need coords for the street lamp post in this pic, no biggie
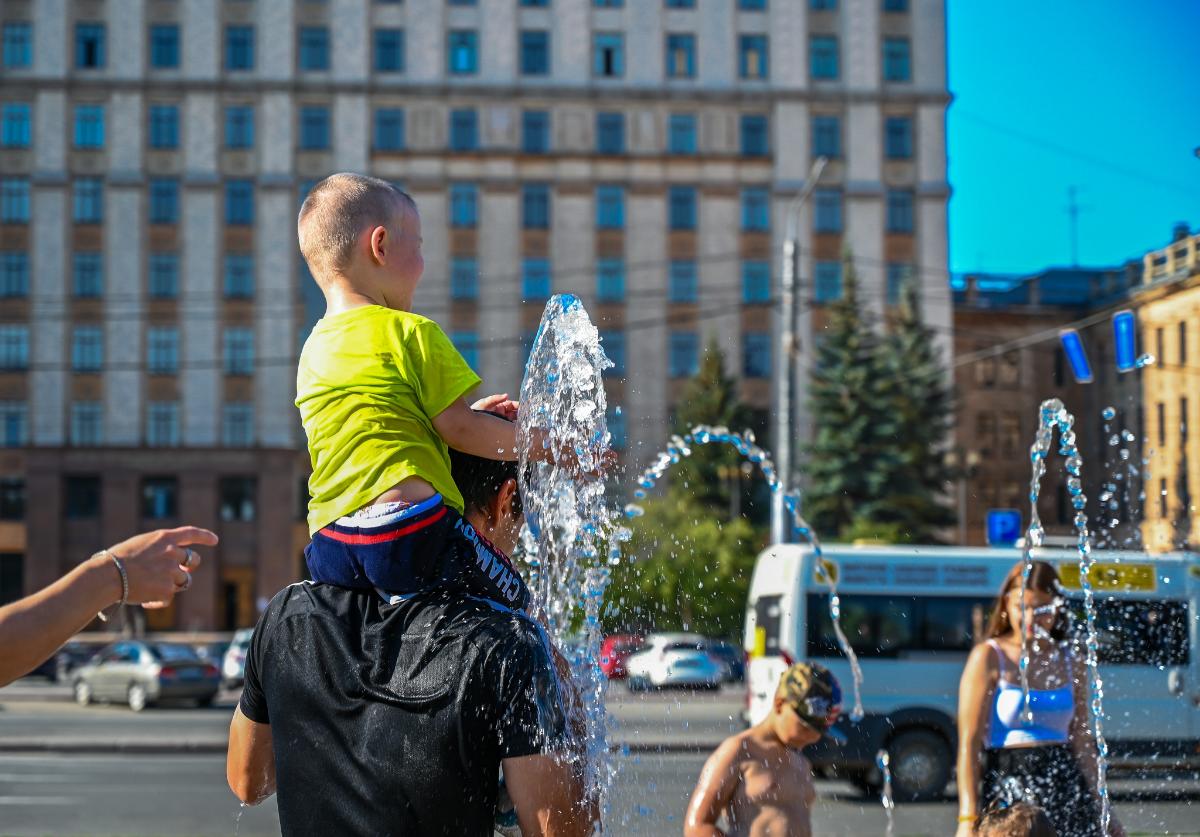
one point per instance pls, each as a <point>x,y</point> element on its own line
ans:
<point>783,369</point>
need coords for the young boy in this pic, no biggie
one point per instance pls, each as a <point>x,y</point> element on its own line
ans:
<point>758,778</point>
<point>380,392</point>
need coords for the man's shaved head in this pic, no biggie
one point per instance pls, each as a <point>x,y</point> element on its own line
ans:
<point>336,212</point>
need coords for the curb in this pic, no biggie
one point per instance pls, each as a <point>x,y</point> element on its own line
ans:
<point>13,746</point>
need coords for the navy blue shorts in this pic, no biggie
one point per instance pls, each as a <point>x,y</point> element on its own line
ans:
<point>414,548</point>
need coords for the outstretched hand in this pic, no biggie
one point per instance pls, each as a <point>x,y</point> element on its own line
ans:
<point>159,565</point>
<point>500,404</point>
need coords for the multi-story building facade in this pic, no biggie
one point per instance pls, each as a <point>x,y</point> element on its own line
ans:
<point>640,153</point>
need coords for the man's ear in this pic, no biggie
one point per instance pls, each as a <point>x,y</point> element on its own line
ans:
<point>378,242</point>
<point>507,499</point>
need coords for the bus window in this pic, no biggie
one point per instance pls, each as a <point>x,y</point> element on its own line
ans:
<point>886,626</point>
<point>767,615</point>
<point>1133,632</point>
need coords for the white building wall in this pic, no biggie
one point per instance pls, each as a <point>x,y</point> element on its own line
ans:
<point>127,39</point>
<point>500,352</point>
<point>351,132</point>
<point>202,124</point>
<point>351,45</point>
<point>52,53</point>
<point>275,37</point>
<point>202,54</point>
<point>275,341</point>
<point>200,383</point>
<point>49,134</point>
<point>48,287</point>
<point>124,316</point>
<point>125,133</point>
<point>646,348</point>
<point>860,45</point>
<point>719,277</point>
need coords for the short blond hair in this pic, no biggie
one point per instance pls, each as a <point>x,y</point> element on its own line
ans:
<point>336,212</point>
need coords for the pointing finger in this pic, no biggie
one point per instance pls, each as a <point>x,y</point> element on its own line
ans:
<point>186,535</point>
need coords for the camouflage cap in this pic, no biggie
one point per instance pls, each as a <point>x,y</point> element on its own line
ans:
<point>814,693</point>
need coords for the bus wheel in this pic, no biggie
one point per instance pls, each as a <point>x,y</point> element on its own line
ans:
<point>920,762</point>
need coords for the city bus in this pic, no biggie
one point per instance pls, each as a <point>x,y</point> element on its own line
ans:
<point>912,614</point>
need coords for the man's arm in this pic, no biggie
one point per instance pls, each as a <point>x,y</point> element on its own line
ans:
<point>548,796</point>
<point>714,791</point>
<point>250,764</point>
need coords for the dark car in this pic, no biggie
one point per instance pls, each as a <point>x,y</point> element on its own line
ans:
<point>64,661</point>
<point>732,657</point>
<point>143,673</point>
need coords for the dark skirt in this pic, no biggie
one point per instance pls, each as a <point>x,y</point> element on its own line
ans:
<point>1048,776</point>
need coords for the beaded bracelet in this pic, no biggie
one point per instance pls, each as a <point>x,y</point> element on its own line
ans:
<point>124,585</point>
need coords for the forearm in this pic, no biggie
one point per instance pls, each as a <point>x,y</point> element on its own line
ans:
<point>479,434</point>
<point>250,763</point>
<point>35,627</point>
<point>968,778</point>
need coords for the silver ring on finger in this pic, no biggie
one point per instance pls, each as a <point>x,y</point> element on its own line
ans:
<point>189,559</point>
<point>187,582</point>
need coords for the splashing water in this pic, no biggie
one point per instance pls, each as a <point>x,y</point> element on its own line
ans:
<point>745,444</point>
<point>562,414</point>
<point>883,761</point>
<point>1054,416</point>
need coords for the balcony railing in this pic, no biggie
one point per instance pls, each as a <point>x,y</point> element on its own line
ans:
<point>1177,260</point>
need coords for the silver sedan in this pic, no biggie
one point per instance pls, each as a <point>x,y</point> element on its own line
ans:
<point>143,673</point>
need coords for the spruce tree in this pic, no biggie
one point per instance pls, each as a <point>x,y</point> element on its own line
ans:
<point>852,456</point>
<point>922,404</point>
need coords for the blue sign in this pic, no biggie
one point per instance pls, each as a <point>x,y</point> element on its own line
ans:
<point>1076,355</point>
<point>1003,527</point>
<point>1125,340</point>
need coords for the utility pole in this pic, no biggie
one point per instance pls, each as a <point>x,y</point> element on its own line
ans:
<point>780,530</point>
<point>1073,210</point>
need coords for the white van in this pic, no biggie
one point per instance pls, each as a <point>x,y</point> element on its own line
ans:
<point>913,613</point>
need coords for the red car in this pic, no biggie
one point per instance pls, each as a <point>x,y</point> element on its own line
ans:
<point>613,652</point>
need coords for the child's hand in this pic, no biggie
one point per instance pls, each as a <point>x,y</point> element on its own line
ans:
<point>500,404</point>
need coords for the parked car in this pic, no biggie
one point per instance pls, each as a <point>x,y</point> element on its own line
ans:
<point>58,668</point>
<point>614,651</point>
<point>674,660</point>
<point>233,667</point>
<point>213,652</point>
<point>732,657</point>
<point>143,673</point>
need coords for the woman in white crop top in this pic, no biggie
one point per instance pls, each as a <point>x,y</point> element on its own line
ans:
<point>1050,758</point>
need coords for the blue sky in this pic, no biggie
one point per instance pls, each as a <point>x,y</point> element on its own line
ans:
<point>1097,94</point>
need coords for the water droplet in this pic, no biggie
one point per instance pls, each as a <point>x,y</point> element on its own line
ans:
<point>1109,413</point>
<point>1145,360</point>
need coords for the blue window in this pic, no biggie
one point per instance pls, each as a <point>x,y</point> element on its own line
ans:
<point>389,50</point>
<point>756,209</point>
<point>164,46</point>
<point>681,133</point>
<point>682,285</point>
<point>464,130</point>
<point>535,132</point>
<point>239,275</point>
<point>756,354</point>
<point>463,54</point>
<point>683,358</point>
<point>239,47</point>
<point>822,5</point>
<point>535,206</point>
<point>608,55</point>
<point>897,274</point>
<point>612,342</point>
<point>610,133</point>
<point>87,423</point>
<point>541,3</point>
<point>162,424</point>
<point>610,280</point>
<point>535,279</point>
<point>467,343</point>
<point>464,278</point>
<point>87,275</point>
<point>681,56</point>
<point>617,430</point>
<point>752,56</point>
<point>89,46</point>
<point>752,5</point>
<point>89,126</point>
<point>87,348</point>
<point>895,5</point>
<point>237,350</point>
<point>897,59</point>
<point>823,57</point>
<point>163,276</point>
<point>239,126</point>
<point>464,201</point>
<point>535,53</point>
<point>239,202</point>
<point>14,423</point>
<point>682,207</point>
<point>313,50</point>
<point>681,4</point>
<point>314,128</point>
<point>14,200</point>
<point>14,347</point>
<point>17,122</point>
<point>237,424</point>
<point>164,200</point>
<point>899,211</point>
<point>898,138</point>
<point>828,205</point>
<point>756,140</point>
<point>18,45</point>
<point>164,126</point>
<point>608,4</point>
<point>14,274</point>
<point>463,2</point>
<point>827,282</point>
<point>87,200</point>
<point>389,129</point>
<point>756,281</point>
<point>610,207</point>
<point>827,136</point>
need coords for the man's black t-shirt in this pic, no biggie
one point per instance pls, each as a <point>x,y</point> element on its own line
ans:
<point>393,719</point>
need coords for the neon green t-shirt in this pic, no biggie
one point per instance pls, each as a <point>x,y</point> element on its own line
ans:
<point>369,383</point>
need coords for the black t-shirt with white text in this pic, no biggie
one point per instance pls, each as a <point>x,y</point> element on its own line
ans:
<point>393,718</point>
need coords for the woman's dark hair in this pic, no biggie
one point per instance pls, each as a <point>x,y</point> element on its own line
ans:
<point>1021,819</point>
<point>1044,579</point>
<point>479,480</point>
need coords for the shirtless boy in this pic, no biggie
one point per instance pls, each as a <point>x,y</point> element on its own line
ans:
<point>758,779</point>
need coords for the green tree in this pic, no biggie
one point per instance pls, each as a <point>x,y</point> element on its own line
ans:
<point>853,454</point>
<point>922,404</point>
